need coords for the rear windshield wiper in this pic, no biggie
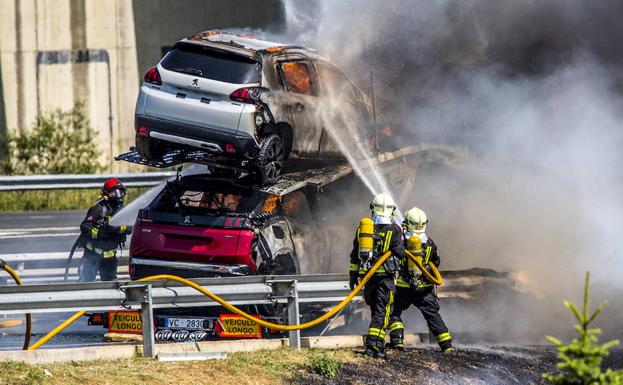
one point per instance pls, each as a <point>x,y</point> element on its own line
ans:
<point>190,71</point>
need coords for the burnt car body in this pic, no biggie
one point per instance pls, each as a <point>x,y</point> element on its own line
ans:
<point>206,226</point>
<point>248,103</point>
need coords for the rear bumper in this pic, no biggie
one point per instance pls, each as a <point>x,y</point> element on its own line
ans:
<point>144,267</point>
<point>188,135</point>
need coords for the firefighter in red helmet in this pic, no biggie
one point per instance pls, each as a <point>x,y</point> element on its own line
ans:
<point>100,239</point>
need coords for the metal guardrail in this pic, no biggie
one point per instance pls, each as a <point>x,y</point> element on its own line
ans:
<point>47,268</point>
<point>79,181</point>
<point>291,290</point>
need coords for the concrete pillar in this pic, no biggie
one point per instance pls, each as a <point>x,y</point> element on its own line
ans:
<point>113,87</point>
<point>46,62</point>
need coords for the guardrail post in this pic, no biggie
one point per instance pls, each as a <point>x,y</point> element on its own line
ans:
<point>293,316</point>
<point>149,343</point>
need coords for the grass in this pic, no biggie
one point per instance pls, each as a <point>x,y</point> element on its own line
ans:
<point>49,200</point>
<point>266,367</point>
<point>326,365</point>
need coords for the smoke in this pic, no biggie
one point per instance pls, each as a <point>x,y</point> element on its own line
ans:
<point>533,89</point>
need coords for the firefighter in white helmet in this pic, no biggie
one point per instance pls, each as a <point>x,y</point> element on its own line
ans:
<point>376,236</point>
<point>413,289</point>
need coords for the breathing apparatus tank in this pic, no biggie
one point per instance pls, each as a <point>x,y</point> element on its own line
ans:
<point>366,241</point>
<point>414,246</point>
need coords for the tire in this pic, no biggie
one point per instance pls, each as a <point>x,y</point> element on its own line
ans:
<point>284,263</point>
<point>270,158</point>
<point>148,149</point>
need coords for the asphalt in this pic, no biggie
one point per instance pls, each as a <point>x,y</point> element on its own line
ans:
<point>39,232</point>
<point>44,232</point>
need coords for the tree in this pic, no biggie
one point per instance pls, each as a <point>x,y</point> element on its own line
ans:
<point>580,360</point>
<point>60,142</point>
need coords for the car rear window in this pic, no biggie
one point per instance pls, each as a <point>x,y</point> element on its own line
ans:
<point>193,199</point>
<point>211,64</point>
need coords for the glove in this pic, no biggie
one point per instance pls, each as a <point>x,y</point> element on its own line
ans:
<point>125,229</point>
<point>354,281</point>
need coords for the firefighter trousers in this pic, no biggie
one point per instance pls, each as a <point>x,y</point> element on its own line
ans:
<point>427,302</point>
<point>379,295</point>
<point>92,263</point>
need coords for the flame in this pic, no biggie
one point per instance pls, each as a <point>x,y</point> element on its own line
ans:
<point>271,204</point>
<point>274,49</point>
<point>297,78</point>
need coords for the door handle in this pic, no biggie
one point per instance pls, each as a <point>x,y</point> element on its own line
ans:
<point>299,107</point>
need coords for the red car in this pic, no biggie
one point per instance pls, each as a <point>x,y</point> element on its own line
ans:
<point>204,226</point>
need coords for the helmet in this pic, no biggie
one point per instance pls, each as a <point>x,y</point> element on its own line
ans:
<point>416,220</point>
<point>114,189</point>
<point>383,205</point>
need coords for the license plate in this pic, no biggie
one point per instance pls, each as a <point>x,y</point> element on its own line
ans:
<point>186,323</point>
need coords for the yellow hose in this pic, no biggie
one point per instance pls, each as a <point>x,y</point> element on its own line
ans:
<point>18,281</point>
<point>234,309</point>
<point>437,280</point>
<point>57,330</point>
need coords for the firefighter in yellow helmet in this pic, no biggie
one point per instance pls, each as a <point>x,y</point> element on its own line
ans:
<point>375,236</point>
<point>413,289</point>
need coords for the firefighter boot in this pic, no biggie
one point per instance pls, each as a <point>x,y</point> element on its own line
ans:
<point>375,347</point>
<point>445,342</point>
<point>396,336</point>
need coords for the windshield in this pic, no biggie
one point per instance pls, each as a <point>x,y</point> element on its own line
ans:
<point>201,61</point>
<point>212,200</point>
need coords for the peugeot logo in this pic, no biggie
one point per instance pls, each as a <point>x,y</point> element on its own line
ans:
<point>196,82</point>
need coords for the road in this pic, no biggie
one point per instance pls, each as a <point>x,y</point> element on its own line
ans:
<point>39,232</point>
<point>44,233</point>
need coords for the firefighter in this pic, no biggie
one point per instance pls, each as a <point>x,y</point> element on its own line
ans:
<point>100,240</point>
<point>413,289</point>
<point>375,236</point>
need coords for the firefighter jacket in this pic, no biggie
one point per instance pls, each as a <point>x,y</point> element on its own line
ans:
<point>417,281</point>
<point>388,237</point>
<point>98,236</point>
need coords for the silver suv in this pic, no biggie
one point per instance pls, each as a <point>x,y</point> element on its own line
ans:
<point>247,103</point>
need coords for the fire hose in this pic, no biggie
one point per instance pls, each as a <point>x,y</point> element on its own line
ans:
<point>436,279</point>
<point>18,281</point>
<point>232,308</point>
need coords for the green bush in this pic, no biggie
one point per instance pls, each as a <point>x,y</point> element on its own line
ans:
<point>51,200</point>
<point>580,360</point>
<point>60,142</point>
<point>326,365</point>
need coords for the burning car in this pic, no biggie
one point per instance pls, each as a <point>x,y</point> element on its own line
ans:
<point>206,226</point>
<point>249,104</point>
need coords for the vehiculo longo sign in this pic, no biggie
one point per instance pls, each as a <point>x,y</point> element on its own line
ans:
<point>233,325</point>
<point>125,321</point>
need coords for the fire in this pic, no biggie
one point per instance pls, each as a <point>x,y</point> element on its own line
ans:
<point>297,78</point>
<point>274,49</point>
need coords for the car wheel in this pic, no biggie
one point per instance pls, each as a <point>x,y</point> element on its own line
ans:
<point>149,149</point>
<point>270,159</point>
<point>285,263</point>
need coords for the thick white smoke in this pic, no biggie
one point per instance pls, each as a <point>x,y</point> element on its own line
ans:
<point>533,89</point>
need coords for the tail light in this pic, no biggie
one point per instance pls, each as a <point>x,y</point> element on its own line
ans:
<point>142,131</point>
<point>145,215</point>
<point>230,148</point>
<point>247,94</point>
<point>153,76</point>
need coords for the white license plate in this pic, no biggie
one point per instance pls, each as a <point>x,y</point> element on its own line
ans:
<point>186,323</point>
